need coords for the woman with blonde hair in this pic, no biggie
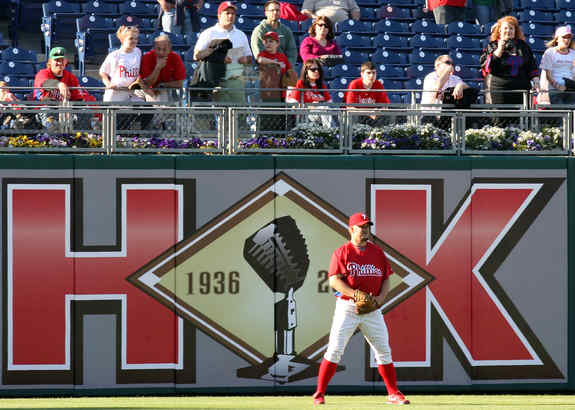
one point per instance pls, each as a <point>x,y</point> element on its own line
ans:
<point>121,67</point>
<point>557,66</point>
<point>507,63</point>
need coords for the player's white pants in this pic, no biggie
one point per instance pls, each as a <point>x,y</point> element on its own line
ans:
<point>346,321</point>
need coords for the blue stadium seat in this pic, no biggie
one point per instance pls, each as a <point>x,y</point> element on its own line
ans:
<point>19,54</point>
<point>355,57</point>
<point>91,33</point>
<point>369,14</point>
<point>537,4</point>
<point>247,23</point>
<point>427,42</point>
<point>387,71</point>
<point>208,21</point>
<point>337,96</point>
<point>428,27</point>
<point>419,70</point>
<point>353,26</point>
<point>13,81</point>
<point>89,82</point>
<point>339,83</point>
<point>391,42</point>
<point>458,42</point>
<point>364,4</point>
<point>467,59</point>
<point>414,83</point>
<point>396,98</point>
<point>466,72</point>
<point>99,8</point>
<point>566,5</point>
<point>538,30</point>
<point>391,84</point>
<point>58,21</point>
<point>251,10</point>
<point>402,3</point>
<point>17,69</point>
<point>345,70</point>
<point>567,16</point>
<point>536,16</point>
<point>537,44</point>
<point>391,27</point>
<point>465,29</point>
<point>356,41</point>
<point>209,9</point>
<point>423,57</point>
<point>395,13</point>
<point>140,9</point>
<point>384,56</point>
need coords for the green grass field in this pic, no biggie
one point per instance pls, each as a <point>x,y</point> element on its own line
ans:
<point>296,402</point>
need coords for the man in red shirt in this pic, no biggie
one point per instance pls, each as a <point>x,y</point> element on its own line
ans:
<point>367,90</point>
<point>162,70</point>
<point>359,264</point>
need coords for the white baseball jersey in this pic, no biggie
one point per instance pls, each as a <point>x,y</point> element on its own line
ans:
<point>122,68</point>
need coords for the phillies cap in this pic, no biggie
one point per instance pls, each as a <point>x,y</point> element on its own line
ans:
<point>359,219</point>
<point>226,5</point>
<point>56,53</point>
<point>273,35</point>
<point>563,31</point>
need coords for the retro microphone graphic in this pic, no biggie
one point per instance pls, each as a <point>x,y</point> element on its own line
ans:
<point>277,252</point>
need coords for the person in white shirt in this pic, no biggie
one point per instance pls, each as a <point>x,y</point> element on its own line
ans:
<point>122,67</point>
<point>442,78</point>
<point>233,85</point>
<point>558,64</point>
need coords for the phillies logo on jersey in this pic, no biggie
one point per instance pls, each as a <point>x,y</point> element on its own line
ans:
<point>355,269</point>
<point>464,304</point>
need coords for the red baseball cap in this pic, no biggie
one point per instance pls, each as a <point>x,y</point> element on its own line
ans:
<point>226,5</point>
<point>273,35</point>
<point>359,219</point>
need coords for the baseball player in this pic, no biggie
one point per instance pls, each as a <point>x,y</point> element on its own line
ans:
<point>359,272</point>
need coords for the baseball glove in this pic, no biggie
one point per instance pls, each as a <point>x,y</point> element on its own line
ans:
<point>364,302</point>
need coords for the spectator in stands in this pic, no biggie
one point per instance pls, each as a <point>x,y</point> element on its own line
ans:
<point>366,91</point>
<point>484,10</point>
<point>162,70</point>
<point>179,16</point>
<point>336,10</point>
<point>233,85</point>
<point>446,11</point>
<point>507,63</point>
<point>436,82</point>
<point>272,66</point>
<point>55,83</point>
<point>320,43</point>
<point>272,23</point>
<point>557,65</point>
<point>121,68</point>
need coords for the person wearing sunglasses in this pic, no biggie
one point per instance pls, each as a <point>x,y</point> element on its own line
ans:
<point>336,10</point>
<point>320,43</point>
<point>436,82</point>
<point>557,67</point>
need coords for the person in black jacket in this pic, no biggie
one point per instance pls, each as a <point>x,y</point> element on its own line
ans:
<point>507,63</point>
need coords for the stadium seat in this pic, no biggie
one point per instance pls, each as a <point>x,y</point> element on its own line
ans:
<point>17,69</point>
<point>427,42</point>
<point>384,56</point>
<point>247,23</point>
<point>423,57</point>
<point>396,98</point>
<point>102,9</point>
<point>536,4</point>
<point>19,54</point>
<point>537,44</point>
<point>391,42</point>
<point>209,9</point>
<point>395,13</point>
<point>538,30</point>
<point>414,84</point>
<point>419,70</point>
<point>58,21</point>
<point>356,41</point>
<point>354,57</point>
<point>427,27</point>
<point>208,21</point>
<point>140,9</point>
<point>90,82</point>
<point>466,72</point>
<point>401,3</point>
<point>364,4</point>
<point>345,70</point>
<point>466,59</point>
<point>567,16</point>
<point>368,14</point>
<point>391,27</point>
<point>353,26</point>
<point>457,42</point>
<point>24,17</point>
<point>251,10</point>
<point>91,33</point>
<point>391,84</point>
<point>536,16</point>
<point>387,71</point>
<point>566,5</point>
<point>465,29</point>
<point>339,84</point>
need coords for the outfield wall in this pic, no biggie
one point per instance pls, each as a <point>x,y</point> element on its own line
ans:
<point>153,274</point>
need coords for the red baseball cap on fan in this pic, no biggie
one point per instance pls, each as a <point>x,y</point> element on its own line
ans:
<point>273,35</point>
<point>226,5</point>
<point>359,219</point>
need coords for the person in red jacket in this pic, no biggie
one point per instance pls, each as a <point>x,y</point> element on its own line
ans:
<point>446,11</point>
<point>367,92</point>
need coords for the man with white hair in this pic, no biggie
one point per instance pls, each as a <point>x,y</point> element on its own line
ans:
<point>162,70</point>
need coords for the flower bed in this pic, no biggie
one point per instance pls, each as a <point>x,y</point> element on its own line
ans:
<point>164,143</point>
<point>400,137</point>
<point>305,135</point>
<point>45,140</point>
<point>491,138</point>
